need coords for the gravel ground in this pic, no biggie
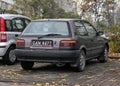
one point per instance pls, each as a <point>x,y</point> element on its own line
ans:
<point>95,74</point>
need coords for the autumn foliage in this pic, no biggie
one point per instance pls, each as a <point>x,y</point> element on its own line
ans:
<point>115,39</point>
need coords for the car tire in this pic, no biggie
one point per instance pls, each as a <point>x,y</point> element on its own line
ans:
<point>27,65</point>
<point>10,58</point>
<point>104,56</point>
<point>81,62</point>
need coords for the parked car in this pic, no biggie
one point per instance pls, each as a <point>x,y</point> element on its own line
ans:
<point>11,26</point>
<point>61,41</point>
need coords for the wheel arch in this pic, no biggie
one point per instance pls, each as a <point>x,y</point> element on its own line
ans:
<point>8,46</point>
<point>13,45</point>
<point>107,45</point>
<point>84,49</point>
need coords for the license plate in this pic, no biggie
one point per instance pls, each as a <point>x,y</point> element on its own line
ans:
<point>42,43</point>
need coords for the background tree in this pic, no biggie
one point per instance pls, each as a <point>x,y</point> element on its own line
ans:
<point>109,11</point>
<point>41,9</point>
<point>24,7</point>
<point>12,11</point>
<point>98,11</point>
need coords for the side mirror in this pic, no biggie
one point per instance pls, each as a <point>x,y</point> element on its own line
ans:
<point>101,34</point>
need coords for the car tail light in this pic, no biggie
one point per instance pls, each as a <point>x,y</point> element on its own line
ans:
<point>68,43</point>
<point>3,36</point>
<point>20,43</point>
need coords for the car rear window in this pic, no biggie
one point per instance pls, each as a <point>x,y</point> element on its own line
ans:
<point>47,27</point>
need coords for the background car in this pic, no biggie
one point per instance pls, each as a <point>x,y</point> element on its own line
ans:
<point>61,41</point>
<point>11,26</point>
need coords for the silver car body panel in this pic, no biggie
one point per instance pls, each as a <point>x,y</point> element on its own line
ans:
<point>11,36</point>
<point>11,39</point>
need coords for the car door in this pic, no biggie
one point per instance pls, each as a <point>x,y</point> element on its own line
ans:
<point>82,36</point>
<point>96,41</point>
<point>17,25</point>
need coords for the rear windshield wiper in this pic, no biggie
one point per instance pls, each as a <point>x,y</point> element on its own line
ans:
<point>51,34</point>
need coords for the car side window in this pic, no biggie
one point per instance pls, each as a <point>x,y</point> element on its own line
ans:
<point>8,25</point>
<point>18,25</point>
<point>90,29</point>
<point>80,29</point>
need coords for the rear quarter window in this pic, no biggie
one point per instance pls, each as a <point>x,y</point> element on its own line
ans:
<point>8,25</point>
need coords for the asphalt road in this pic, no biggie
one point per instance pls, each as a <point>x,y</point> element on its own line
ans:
<point>95,74</point>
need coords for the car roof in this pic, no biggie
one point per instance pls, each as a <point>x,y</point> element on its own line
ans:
<point>61,19</point>
<point>11,16</point>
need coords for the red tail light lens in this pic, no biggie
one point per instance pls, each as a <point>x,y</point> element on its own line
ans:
<point>20,43</point>
<point>68,43</point>
<point>3,35</point>
<point>2,25</point>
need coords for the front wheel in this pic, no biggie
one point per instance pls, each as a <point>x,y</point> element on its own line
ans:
<point>104,57</point>
<point>81,62</point>
<point>27,65</point>
<point>10,57</point>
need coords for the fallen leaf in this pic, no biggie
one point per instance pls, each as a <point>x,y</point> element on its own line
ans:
<point>38,84</point>
<point>76,85</point>
<point>15,84</point>
<point>113,80</point>
<point>89,77</point>
<point>47,84</point>
<point>119,60</point>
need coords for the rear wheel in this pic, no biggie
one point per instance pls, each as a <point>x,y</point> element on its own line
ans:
<point>81,62</point>
<point>104,57</point>
<point>10,57</point>
<point>27,65</point>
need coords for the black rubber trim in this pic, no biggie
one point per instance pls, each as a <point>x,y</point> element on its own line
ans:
<point>2,46</point>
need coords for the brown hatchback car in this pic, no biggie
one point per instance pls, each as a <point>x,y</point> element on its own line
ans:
<point>61,41</point>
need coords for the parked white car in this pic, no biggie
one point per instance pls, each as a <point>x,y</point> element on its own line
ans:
<point>11,26</point>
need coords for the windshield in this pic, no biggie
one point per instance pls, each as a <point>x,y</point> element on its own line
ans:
<point>47,27</point>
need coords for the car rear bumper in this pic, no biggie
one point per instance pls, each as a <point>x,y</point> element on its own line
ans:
<point>47,55</point>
